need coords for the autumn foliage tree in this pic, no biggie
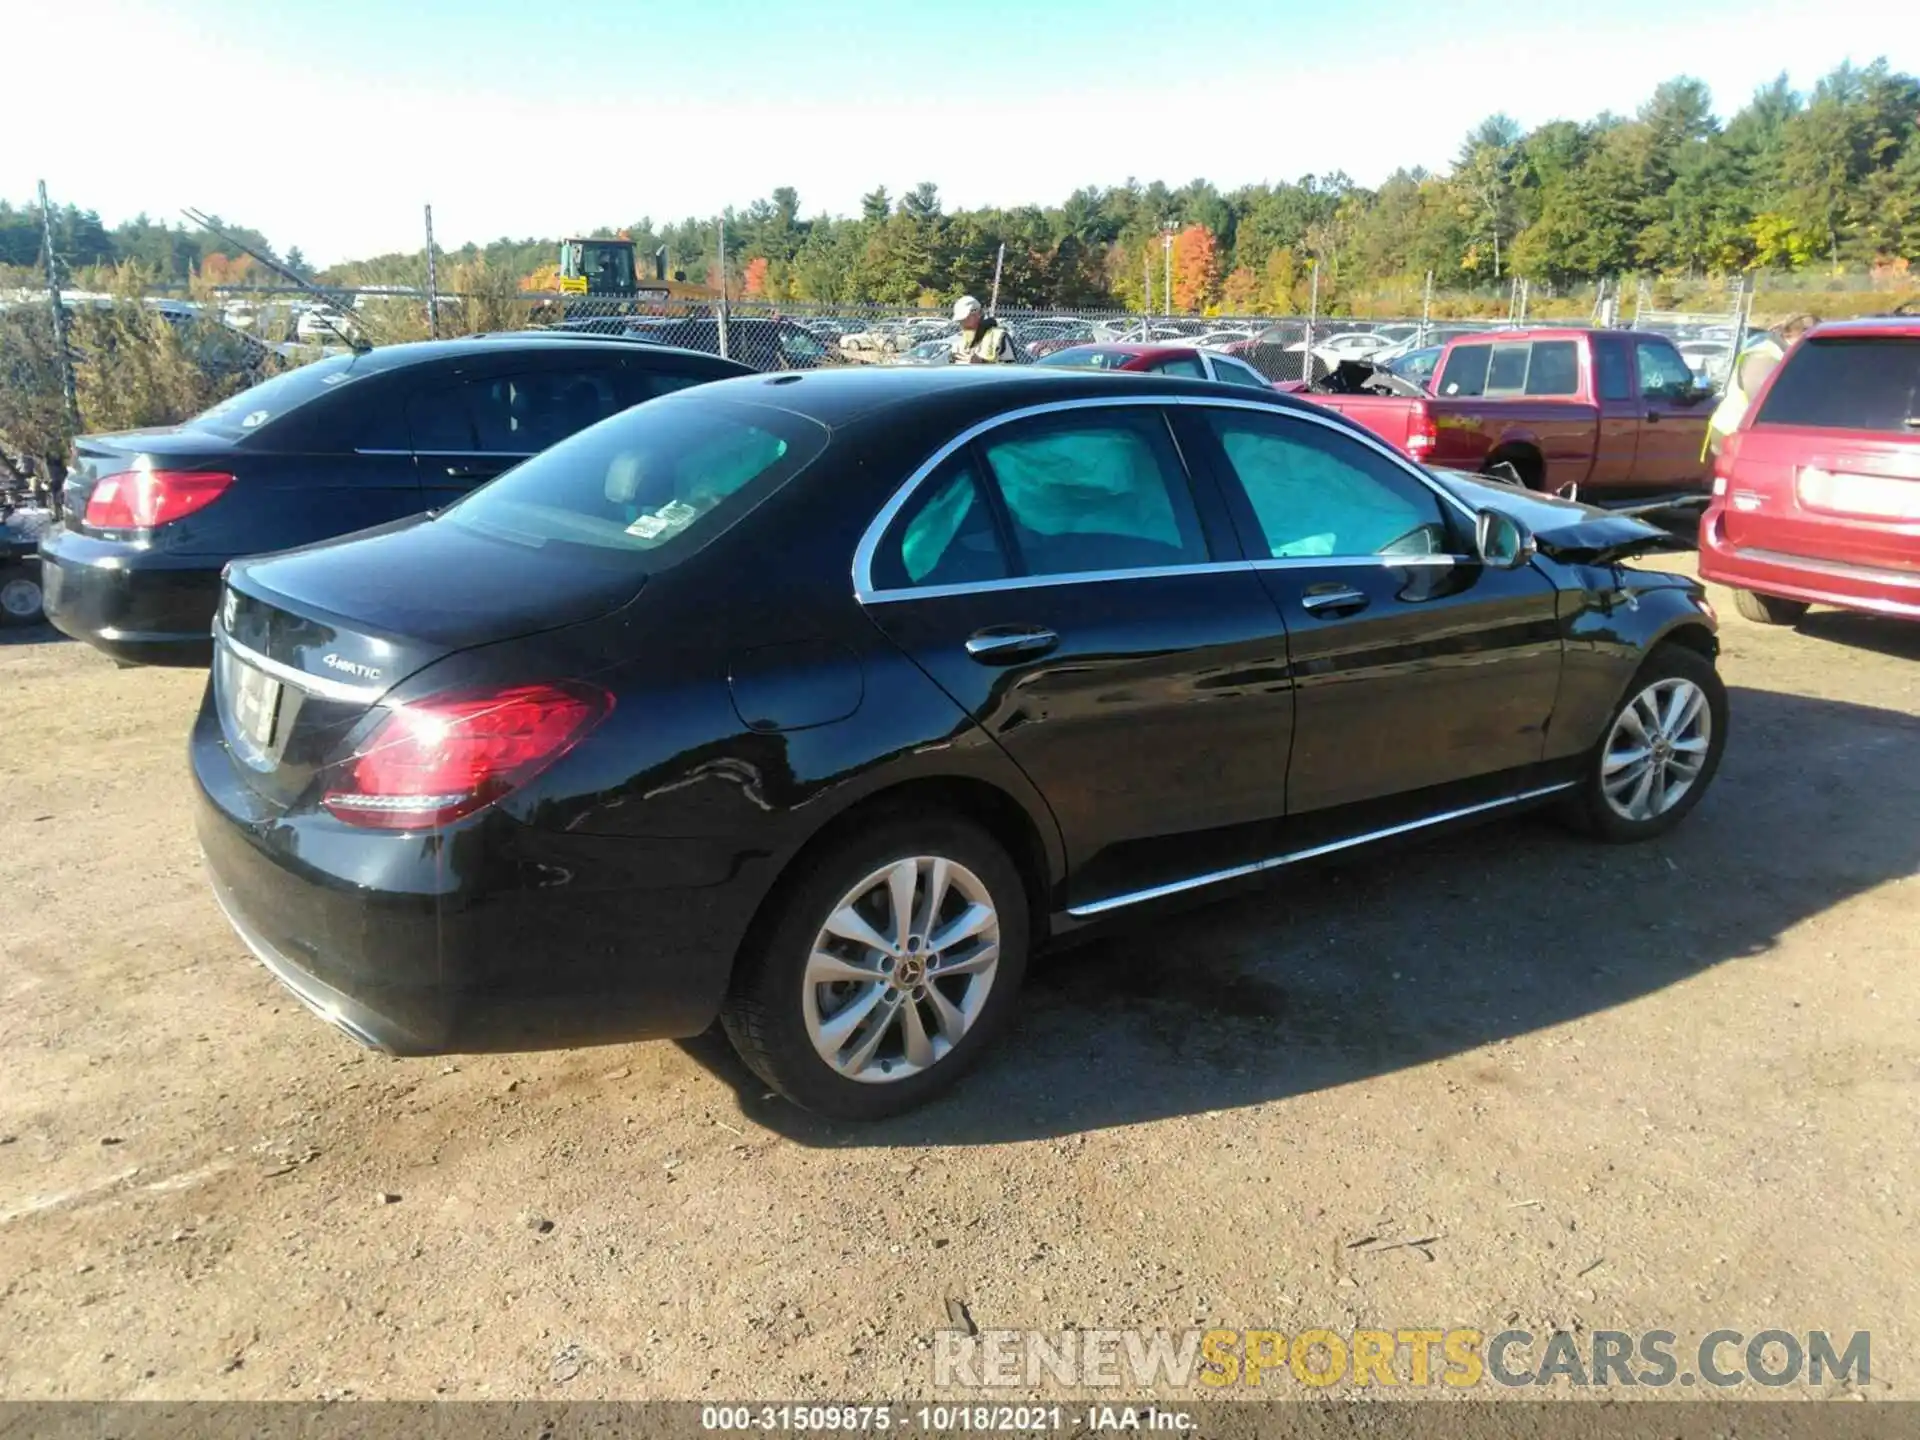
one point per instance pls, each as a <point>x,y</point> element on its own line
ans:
<point>754,280</point>
<point>1196,269</point>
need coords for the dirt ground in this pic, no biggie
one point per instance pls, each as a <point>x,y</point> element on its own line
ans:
<point>1662,1087</point>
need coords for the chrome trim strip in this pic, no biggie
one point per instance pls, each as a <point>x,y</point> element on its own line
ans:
<point>317,685</point>
<point>1318,562</point>
<point>1840,569</point>
<point>1175,887</point>
<point>864,592</point>
<point>1036,582</point>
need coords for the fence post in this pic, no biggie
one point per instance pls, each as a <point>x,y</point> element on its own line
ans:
<point>1313,314</point>
<point>722,227</point>
<point>433,291</point>
<point>1426,311</point>
<point>1000,259</point>
<point>1146,295</point>
<point>68,395</point>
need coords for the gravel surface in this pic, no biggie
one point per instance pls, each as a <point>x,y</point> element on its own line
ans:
<point>1671,1086</point>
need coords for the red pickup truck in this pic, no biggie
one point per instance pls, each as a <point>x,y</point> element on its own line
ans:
<point>1573,411</point>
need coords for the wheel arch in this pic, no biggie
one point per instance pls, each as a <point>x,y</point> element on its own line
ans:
<point>1031,842</point>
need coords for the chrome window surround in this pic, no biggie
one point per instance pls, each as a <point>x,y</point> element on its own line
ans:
<point>866,594</point>
<point>1294,857</point>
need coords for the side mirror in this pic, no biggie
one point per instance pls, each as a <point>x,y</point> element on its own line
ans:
<point>1502,542</point>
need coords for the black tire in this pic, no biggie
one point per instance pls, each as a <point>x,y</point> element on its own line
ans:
<point>21,588</point>
<point>764,1015</point>
<point>1588,809</point>
<point>1768,609</point>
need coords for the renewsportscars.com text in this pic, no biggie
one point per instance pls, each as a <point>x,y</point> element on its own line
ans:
<point>1414,1358</point>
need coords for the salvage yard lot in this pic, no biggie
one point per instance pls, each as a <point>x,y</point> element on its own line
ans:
<point>1674,1086</point>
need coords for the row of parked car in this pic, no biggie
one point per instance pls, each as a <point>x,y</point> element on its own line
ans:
<point>648,690</point>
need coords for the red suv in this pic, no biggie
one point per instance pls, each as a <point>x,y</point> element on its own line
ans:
<point>1816,497</point>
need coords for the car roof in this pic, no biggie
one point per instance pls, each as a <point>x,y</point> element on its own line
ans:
<point>1898,326</point>
<point>505,342</point>
<point>965,393</point>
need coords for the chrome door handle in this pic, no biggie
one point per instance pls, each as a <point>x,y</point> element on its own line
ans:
<point>1333,598</point>
<point>991,647</point>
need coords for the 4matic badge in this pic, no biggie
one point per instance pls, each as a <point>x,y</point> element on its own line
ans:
<point>350,667</point>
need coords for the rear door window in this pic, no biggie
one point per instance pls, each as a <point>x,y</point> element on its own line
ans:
<point>438,420</point>
<point>1554,368</point>
<point>1866,383</point>
<point>947,537</point>
<point>1186,367</point>
<point>524,414</point>
<point>1466,372</point>
<point>1099,491</point>
<point>1507,370</point>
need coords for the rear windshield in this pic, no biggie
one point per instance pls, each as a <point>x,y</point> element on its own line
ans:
<point>266,402</point>
<point>1080,357</point>
<point>1851,383</point>
<point>651,485</point>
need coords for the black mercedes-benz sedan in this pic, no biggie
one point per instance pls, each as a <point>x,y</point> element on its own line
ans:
<point>815,702</point>
<point>150,517</point>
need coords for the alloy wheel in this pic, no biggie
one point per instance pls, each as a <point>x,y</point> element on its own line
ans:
<point>1657,750</point>
<point>901,969</point>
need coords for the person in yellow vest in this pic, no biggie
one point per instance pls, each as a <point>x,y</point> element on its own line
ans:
<point>982,340</point>
<point>1751,366</point>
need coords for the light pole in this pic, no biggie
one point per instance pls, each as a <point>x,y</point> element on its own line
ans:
<point>1168,229</point>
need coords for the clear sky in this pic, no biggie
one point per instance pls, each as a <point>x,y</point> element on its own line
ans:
<point>327,126</point>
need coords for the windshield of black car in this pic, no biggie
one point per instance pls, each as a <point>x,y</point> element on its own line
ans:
<point>649,486</point>
<point>1849,383</point>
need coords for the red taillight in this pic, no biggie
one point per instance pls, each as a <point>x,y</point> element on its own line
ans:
<point>435,760</point>
<point>143,499</point>
<point>1423,436</point>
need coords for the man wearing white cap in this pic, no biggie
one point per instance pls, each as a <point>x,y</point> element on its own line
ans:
<point>981,341</point>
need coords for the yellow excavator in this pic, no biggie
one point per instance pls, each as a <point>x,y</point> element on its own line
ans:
<point>604,269</point>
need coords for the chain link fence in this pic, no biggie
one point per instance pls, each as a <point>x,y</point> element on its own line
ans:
<point>219,340</point>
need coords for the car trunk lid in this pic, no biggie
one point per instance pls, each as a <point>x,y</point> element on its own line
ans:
<point>172,447</point>
<point>310,642</point>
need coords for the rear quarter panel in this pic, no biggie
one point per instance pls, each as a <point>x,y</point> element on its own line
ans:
<point>1388,416</point>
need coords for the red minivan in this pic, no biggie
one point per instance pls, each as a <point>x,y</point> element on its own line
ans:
<point>1816,497</point>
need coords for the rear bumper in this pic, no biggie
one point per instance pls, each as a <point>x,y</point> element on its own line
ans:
<point>486,936</point>
<point>1876,589</point>
<point>141,606</point>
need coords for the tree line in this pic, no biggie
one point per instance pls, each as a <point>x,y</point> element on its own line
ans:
<point>1829,179</point>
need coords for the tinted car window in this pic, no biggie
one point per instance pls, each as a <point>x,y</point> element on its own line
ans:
<point>1098,359</point>
<point>947,537</point>
<point>650,487</point>
<point>437,419</point>
<point>1554,369</point>
<point>1314,492</point>
<point>1105,492</point>
<point>261,404</point>
<point>796,346</point>
<point>1849,384</point>
<point>1614,376</point>
<point>1663,374</point>
<point>1233,372</point>
<point>523,414</point>
<point>1507,369</point>
<point>1185,367</point>
<point>1466,372</point>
